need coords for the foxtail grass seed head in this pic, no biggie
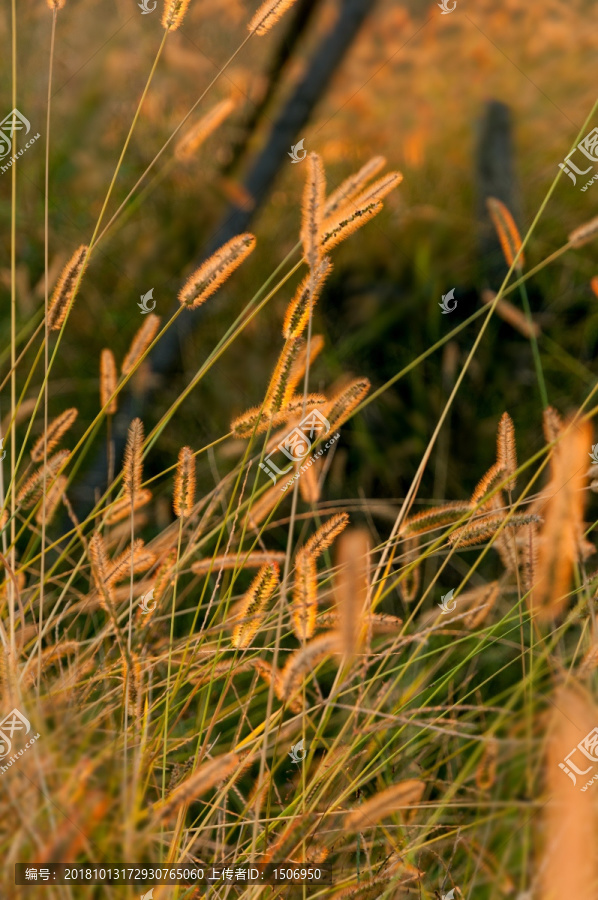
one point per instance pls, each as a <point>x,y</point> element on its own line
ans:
<point>316,345</point>
<point>302,304</point>
<point>56,4</point>
<point>99,569</point>
<point>64,292</point>
<point>346,221</point>
<point>184,483</point>
<point>252,605</point>
<point>508,234</point>
<point>437,517</point>
<point>484,528</point>
<point>326,534</point>
<point>584,234</point>
<point>256,418</point>
<point>133,463</point>
<point>206,280</point>
<point>354,185</point>
<point>209,774</point>
<point>304,605</point>
<point>120,509</point>
<point>351,587</point>
<point>383,804</point>
<point>302,661</point>
<point>338,410</point>
<point>108,381</point>
<point>32,490</point>
<point>485,773</point>
<point>379,189</point>
<point>552,424</point>
<point>268,15</point>
<point>234,561</point>
<point>52,437</point>
<point>280,389</point>
<point>506,449</point>
<point>200,132</point>
<point>174,11</point>
<point>488,482</point>
<point>140,559</point>
<point>53,498</point>
<point>140,343</point>
<point>312,209</point>
<point>509,313</point>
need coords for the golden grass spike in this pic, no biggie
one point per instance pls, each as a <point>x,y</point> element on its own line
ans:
<point>99,568</point>
<point>495,474</point>
<point>268,15</point>
<point>206,776</point>
<point>309,483</point>
<point>351,586</point>
<point>55,4</point>
<point>120,509</point>
<point>206,280</point>
<point>311,210</point>
<point>304,605</point>
<point>594,285</point>
<point>385,803</point>
<point>206,126</point>
<point>302,661</point>
<point>107,381</point>
<point>120,568</point>
<point>326,534</point>
<point>560,537</point>
<point>345,222</point>
<point>133,463</point>
<point>279,390</point>
<point>234,561</point>
<point>338,410</point>
<point>511,314</point>
<point>244,424</point>
<point>485,773</point>
<point>184,483</point>
<point>252,605</point>
<point>570,819</point>
<point>64,292</point>
<point>352,186</point>
<point>430,519</point>
<point>174,11</point>
<point>32,490</point>
<point>508,234</point>
<point>584,234</point>
<point>53,498</point>
<point>552,424</point>
<point>140,342</point>
<point>302,304</point>
<point>56,429</point>
<point>506,449</point>
<point>480,530</point>
<point>378,190</point>
<point>298,368</point>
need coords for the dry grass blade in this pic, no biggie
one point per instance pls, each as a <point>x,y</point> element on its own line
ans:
<point>506,452</point>
<point>351,187</point>
<point>312,210</point>
<point>208,775</point>
<point>338,410</point>
<point>133,464</point>
<point>385,803</point>
<point>569,868</point>
<point>174,11</point>
<point>52,437</point>
<point>351,587</point>
<point>140,343</point>
<point>485,596</point>
<point>252,606</point>
<point>508,235</point>
<point>206,280</point>
<point>302,304</point>
<point>108,381</point>
<point>268,15</point>
<point>560,537</point>
<point>206,126</point>
<point>511,314</point>
<point>584,234</point>
<point>304,605</point>
<point>184,483</point>
<point>485,773</point>
<point>64,292</point>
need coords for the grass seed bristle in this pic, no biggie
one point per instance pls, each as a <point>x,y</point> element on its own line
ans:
<point>304,605</point>
<point>64,292</point>
<point>352,186</point>
<point>108,381</point>
<point>140,343</point>
<point>508,234</point>
<point>268,15</point>
<point>338,410</point>
<point>133,463</point>
<point>584,234</point>
<point>184,483</point>
<point>302,304</point>
<point>326,534</point>
<point>174,11</point>
<point>506,449</point>
<point>252,605</point>
<point>384,803</point>
<point>206,126</point>
<point>206,280</point>
<point>54,433</point>
<point>311,211</point>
